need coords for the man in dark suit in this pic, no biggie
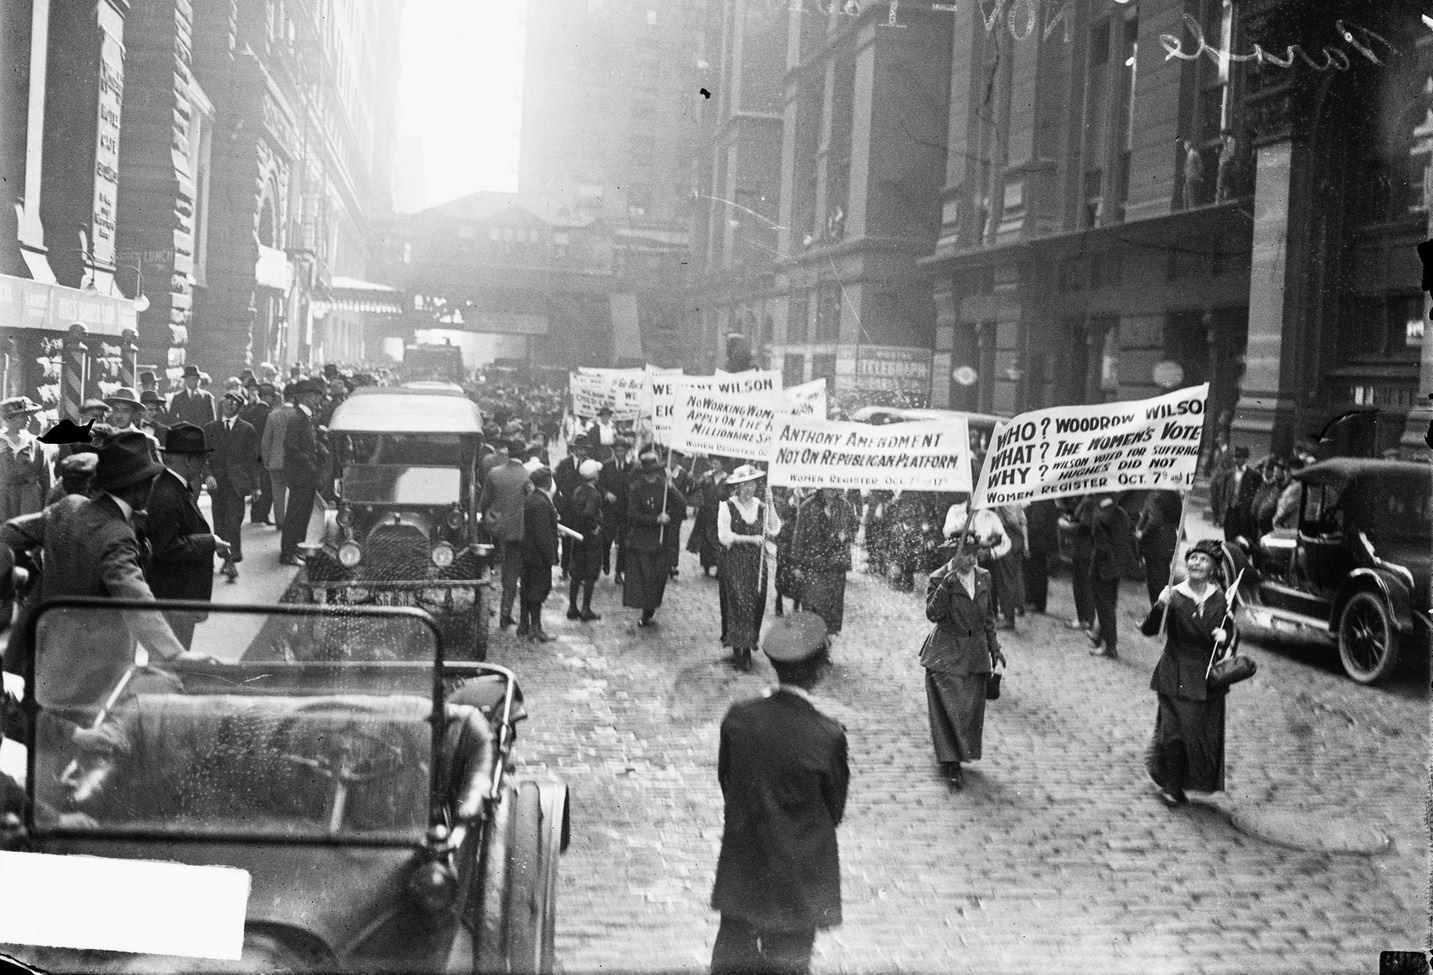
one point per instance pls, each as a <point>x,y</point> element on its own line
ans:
<point>192,404</point>
<point>614,482</point>
<point>181,562</point>
<point>783,773</point>
<point>256,413</point>
<point>539,554</point>
<point>1244,483</point>
<point>90,549</point>
<point>302,462</point>
<point>235,448</point>
<point>1112,556</point>
<point>567,479</point>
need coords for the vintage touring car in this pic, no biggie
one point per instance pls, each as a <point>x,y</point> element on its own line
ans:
<point>405,528</point>
<point>371,801</point>
<point>1355,567</point>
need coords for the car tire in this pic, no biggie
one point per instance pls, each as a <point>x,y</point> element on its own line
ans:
<point>478,623</point>
<point>517,930</point>
<point>1367,639</point>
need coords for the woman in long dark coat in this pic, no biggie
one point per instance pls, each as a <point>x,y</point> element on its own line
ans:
<point>24,468</point>
<point>958,656</point>
<point>741,525</point>
<point>1188,747</point>
<point>653,509</point>
<point>821,555</point>
<point>788,505</point>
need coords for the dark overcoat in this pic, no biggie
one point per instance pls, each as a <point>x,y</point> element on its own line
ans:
<point>181,561</point>
<point>1188,645</point>
<point>539,540</point>
<point>963,641</point>
<point>784,775</point>
<point>234,458</point>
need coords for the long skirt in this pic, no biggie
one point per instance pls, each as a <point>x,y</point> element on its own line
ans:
<point>824,593</point>
<point>743,582</point>
<point>956,704</point>
<point>644,579</point>
<point>1188,747</point>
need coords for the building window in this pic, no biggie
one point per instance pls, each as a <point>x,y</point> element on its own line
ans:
<point>651,18</point>
<point>792,369</point>
<point>823,367</point>
<point>796,318</point>
<point>828,314</point>
<point>201,140</point>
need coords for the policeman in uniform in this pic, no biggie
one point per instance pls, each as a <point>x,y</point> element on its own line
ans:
<point>784,776</point>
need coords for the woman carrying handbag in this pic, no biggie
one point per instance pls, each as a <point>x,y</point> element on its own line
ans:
<point>1187,752</point>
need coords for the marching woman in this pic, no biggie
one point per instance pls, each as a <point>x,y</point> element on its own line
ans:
<point>1188,747</point>
<point>742,528</point>
<point>821,553</point>
<point>959,654</point>
<point>709,494</point>
<point>654,508</point>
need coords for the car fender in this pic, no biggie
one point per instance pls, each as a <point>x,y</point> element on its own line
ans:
<point>1389,587</point>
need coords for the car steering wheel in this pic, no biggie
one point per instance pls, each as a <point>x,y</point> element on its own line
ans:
<point>342,753</point>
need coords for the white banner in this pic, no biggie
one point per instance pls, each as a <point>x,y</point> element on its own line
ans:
<point>931,455</point>
<point>726,415</point>
<point>659,401</point>
<point>619,389</point>
<point>808,399</point>
<point>1073,450</point>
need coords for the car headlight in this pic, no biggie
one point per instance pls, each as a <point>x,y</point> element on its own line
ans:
<point>442,555</point>
<point>349,554</point>
<point>455,518</point>
<point>344,516</point>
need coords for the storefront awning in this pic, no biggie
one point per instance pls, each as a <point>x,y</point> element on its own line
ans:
<point>359,296</point>
<point>54,308</point>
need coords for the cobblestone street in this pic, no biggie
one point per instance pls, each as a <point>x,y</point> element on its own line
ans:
<point>1056,857</point>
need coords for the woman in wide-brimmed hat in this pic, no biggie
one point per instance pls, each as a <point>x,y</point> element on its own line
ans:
<point>1188,747</point>
<point>742,529</point>
<point>24,468</point>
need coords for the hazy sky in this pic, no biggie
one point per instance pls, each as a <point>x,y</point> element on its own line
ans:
<point>459,99</point>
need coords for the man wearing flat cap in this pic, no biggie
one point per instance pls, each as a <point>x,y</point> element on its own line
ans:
<point>181,562</point>
<point>192,404</point>
<point>783,770</point>
<point>90,549</point>
<point>235,449</point>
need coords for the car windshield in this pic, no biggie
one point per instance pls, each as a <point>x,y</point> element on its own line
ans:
<point>280,738</point>
<point>1396,508</point>
<point>398,484</point>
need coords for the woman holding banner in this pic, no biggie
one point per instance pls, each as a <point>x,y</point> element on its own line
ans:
<point>742,529</point>
<point>1188,747</point>
<point>652,511</point>
<point>959,654</point>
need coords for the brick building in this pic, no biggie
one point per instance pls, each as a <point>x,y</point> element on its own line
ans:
<point>1024,205</point>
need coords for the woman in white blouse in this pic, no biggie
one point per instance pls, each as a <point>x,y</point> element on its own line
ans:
<point>743,524</point>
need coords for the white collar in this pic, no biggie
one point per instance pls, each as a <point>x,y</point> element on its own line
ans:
<point>305,409</point>
<point>182,479</point>
<point>1209,590</point>
<point>124,506</point>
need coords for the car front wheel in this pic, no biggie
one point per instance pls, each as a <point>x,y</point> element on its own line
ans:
<point>1367,638</point>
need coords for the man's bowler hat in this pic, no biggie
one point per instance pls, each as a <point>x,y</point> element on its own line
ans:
<point>795,637</point>
<point>125,461</point>
<point>192,370</point>
<point>186,438</point>
<point>151,398</point>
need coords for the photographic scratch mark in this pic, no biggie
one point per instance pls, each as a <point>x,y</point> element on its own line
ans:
<point>704,93</point>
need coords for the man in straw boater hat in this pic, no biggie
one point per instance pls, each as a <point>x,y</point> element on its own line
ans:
<point>181,565</point>
<point>784,775</point>
<point>651,512</point>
